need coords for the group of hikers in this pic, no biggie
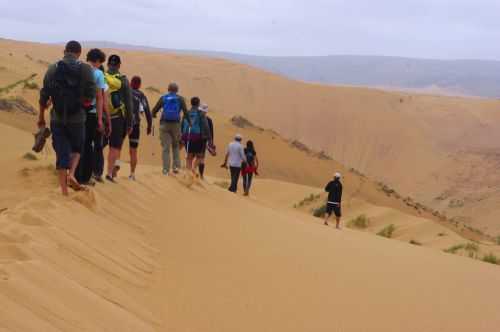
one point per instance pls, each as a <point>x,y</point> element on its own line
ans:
<point>93,107</point>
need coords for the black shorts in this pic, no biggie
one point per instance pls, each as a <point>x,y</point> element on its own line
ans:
<point>195,147</point>
<point>118,132</point>
<point>67,139</point>
<point>333,208</point>
<point>133,137</point>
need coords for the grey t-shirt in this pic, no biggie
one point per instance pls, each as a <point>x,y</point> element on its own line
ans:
<point>236,154</point>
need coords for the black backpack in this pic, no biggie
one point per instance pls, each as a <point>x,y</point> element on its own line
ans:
<point>66,89</point>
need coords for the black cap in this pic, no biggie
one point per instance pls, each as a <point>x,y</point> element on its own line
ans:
<point>73,47</point>
<point>114,60</point>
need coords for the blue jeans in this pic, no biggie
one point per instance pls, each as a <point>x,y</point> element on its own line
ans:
<point>66,140</point>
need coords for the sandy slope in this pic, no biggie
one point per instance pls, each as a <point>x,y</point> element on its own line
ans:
<point>425,146</point>
<point>156,255</point>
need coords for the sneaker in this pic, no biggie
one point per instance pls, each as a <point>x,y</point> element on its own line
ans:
<point>131,177</point>
<point>165,172</point>
<point>110,178</point>
<point>176,171</point>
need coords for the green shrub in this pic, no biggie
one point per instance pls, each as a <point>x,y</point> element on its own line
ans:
<point>416,243</point>
<point>31,85</point>
<point>387,231</point>
<point>320,212</point>
<point>30,156</point>
<point>360,222</point>
<point>455,248</point>
<point>490,258</point>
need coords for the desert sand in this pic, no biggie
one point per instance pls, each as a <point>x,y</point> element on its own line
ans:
<point>163,254</point>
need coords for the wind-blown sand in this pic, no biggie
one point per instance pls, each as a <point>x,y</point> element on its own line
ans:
<point>154,255</point>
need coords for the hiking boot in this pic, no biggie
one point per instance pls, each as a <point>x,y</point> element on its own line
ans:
<point>40,139</point>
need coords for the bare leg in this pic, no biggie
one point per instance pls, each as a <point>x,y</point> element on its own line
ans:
<point>338,222</point>
<point>113,156</point>
<point>63,181</point>
<point>75,159</point>
<point>133,160</point>
<point>189,161</point>
<point>326,219</point>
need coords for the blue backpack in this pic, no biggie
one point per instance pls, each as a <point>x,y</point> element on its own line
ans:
<point>195,118</point>
<point>171,107</point>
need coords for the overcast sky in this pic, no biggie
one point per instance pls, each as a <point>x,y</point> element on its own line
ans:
<point>415,28</point>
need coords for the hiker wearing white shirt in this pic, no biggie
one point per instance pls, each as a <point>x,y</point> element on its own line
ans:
<point>235,157</point>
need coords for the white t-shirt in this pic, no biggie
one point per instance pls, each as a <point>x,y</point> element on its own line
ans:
<point>236,154</point>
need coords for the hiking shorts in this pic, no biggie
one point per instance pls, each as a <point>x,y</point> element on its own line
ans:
<point>133,137</point>
<point>66,140</point>
<point>195,147</point>
<point>118,132</point>
<point>333,208</point>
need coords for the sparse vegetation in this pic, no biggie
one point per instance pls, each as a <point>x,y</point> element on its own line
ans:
<point>492,259</point>
<point>441,234</point>
<point>30,156</point>
<point>415,243</point>
<point>308,200</point>
<point>387,231</point>
<point>16,104</point>
<point>360,222</point>
<point>8,88</point>
<point>29,57</point>
<point>320,211</point>
<point>153,89</point>
<point>471,249</point>
<point>31,85</point>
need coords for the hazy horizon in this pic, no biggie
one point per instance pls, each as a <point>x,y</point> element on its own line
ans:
<point>442,29</point>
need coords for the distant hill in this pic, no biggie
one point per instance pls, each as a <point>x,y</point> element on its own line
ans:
<point>479,78</point>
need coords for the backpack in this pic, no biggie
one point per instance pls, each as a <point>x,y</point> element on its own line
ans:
<point>65,89</point>
<point>115,83</point>
<point>195,117</point>
<point>171,108</point>
<point>138,106</point>
<point>250,155</point>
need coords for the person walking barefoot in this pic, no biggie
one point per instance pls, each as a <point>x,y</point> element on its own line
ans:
<point>333,205</point>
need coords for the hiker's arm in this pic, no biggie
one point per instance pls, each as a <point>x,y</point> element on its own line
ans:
<point>225,160</point>
<point>256,162</point>
<point>89,86</point>
<point>158,106</point>
<point>147,112</point>
<point>99,108</point>
<point>243,156</point>
<point>44,98</point>
<point>128,103</point>
<point>105,108</point>
<point>185,111</point>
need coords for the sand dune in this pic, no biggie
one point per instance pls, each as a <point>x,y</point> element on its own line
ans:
<point>155,255</point>
<point>427,147</point>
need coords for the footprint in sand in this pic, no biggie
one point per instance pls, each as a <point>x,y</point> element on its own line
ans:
<point>29,219</point>
<point>86,198</point>
<point>11,253</point>
<point>4,276</point>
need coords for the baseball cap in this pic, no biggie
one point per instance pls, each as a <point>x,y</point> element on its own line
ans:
<point>338,175</point>
<point>114,60</point>
<point>238,137</point>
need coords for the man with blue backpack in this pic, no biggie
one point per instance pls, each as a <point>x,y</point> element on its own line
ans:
<point>195,132</point>
<point>172,105</point>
